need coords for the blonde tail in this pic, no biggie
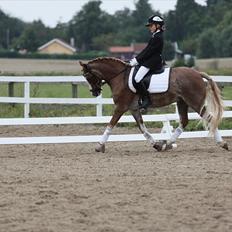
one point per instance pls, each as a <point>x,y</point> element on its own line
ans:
<point>214,104</point>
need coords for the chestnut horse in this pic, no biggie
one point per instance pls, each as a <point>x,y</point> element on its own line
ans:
<point>187,88</point>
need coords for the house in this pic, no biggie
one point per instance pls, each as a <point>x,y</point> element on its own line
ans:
<point>126,52</point>
<point>57,46</point>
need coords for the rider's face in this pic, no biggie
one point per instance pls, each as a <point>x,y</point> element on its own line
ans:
<point>152,28</point>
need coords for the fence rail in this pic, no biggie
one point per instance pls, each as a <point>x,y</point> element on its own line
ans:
<point>99,102</point>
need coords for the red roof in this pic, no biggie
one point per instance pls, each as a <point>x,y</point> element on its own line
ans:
<point>134,48</point>
<point>138,47</point>
<point>118,49</point>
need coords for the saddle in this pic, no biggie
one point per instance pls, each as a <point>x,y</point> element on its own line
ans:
<point>155,81</point>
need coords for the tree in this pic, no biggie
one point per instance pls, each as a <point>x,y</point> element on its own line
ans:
<point>140,15</point>
<point>10,29</point>
<point>206,47</point>
<point>188,18</point>
<point>123,19</point>
<point>171,26</point>
<point>60,31</point>
<point>143,10</point>
<point>168,51</point>
<point>124,28</point>
<point>224,42</point>
<point>33,36</point>
<point>224,45</point>
<point>103,42</point>
<point>88,24</point>
<point>189,46</point>
<point>216,2</point>
<point>201,30</point>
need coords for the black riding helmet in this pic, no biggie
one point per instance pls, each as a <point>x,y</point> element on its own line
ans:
<point>155,19</point>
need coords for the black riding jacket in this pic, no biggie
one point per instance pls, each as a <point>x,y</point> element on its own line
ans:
<point>151,55</point>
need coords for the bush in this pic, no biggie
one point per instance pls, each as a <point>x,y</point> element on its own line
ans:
<point>179,63</point>
<point>189,62</point>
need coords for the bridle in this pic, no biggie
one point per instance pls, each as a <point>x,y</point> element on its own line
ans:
<point>97,80</point>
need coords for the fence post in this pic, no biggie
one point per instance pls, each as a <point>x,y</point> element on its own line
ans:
<point>27,99</point>
<point>11,91</point>
<point>99,106</point>
<point>167,128</point>
<point>74,90</point>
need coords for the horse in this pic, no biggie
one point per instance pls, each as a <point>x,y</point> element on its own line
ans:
<point>186,87</point>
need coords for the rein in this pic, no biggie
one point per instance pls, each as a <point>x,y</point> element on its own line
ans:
<point>98,80</point>
<point>117,74</point>
<point>122,71</point>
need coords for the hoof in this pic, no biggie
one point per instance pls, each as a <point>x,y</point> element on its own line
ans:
<point>163,146</point>
<point>160,145</point>
<point>100,148</point>
<point>224,145</point>
<point>157,146</point>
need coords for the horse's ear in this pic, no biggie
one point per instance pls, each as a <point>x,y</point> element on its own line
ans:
<point>83,65</point>
<point>80,62</point>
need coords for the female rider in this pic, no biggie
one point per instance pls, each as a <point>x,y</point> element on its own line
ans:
<point>150,58</point>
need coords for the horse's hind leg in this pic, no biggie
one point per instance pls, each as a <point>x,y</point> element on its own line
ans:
<point>206,116</point>
<point>139,120</point>
<point>219,140</point>
<point>183,113</point>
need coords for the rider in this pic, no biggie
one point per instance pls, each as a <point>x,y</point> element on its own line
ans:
<point>149,58</point>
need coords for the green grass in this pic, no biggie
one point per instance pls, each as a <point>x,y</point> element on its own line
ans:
<point>227,92</point>
<point>65,91</point>
<point>55,110</point>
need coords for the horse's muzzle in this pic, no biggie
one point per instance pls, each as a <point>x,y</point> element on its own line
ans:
<point>96,92</point>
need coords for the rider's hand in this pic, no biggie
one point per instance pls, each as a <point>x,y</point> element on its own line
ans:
<point>133,62</point>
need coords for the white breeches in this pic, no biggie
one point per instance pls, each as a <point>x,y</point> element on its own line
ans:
<point>141,73</point>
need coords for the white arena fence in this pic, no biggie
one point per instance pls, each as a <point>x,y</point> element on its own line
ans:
<point>99,102</point>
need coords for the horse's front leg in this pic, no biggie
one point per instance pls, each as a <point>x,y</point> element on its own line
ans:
<point>139,120</point>
<point>158,145</point>
<point>118,112</point>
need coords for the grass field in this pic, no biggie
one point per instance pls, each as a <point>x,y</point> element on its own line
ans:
<point>65,91</point>
<point>44,67</point>
<point>52,91</point>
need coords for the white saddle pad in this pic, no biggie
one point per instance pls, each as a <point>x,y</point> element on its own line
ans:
<point>159,82</point>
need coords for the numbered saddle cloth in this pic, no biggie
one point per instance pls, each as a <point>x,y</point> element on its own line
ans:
<point>155,83</point>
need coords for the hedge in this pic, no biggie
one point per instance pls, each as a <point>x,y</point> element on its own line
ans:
<point>81,55</point>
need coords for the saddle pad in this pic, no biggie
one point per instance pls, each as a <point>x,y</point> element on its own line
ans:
<point>159,82</point>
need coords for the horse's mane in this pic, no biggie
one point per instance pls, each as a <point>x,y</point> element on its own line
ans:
<point>108,59</point>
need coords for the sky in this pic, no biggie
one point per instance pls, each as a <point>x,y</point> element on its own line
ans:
<point>53,11</point>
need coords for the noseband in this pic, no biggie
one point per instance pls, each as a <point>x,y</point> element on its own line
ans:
<point>97,81</point>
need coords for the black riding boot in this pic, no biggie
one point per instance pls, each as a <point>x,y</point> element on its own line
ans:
<point>145,100</point>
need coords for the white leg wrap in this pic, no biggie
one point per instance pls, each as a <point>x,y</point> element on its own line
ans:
<point>146,134</point>
<point>176,134</point>
<point>105,135</point>
<point>217,136</point>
